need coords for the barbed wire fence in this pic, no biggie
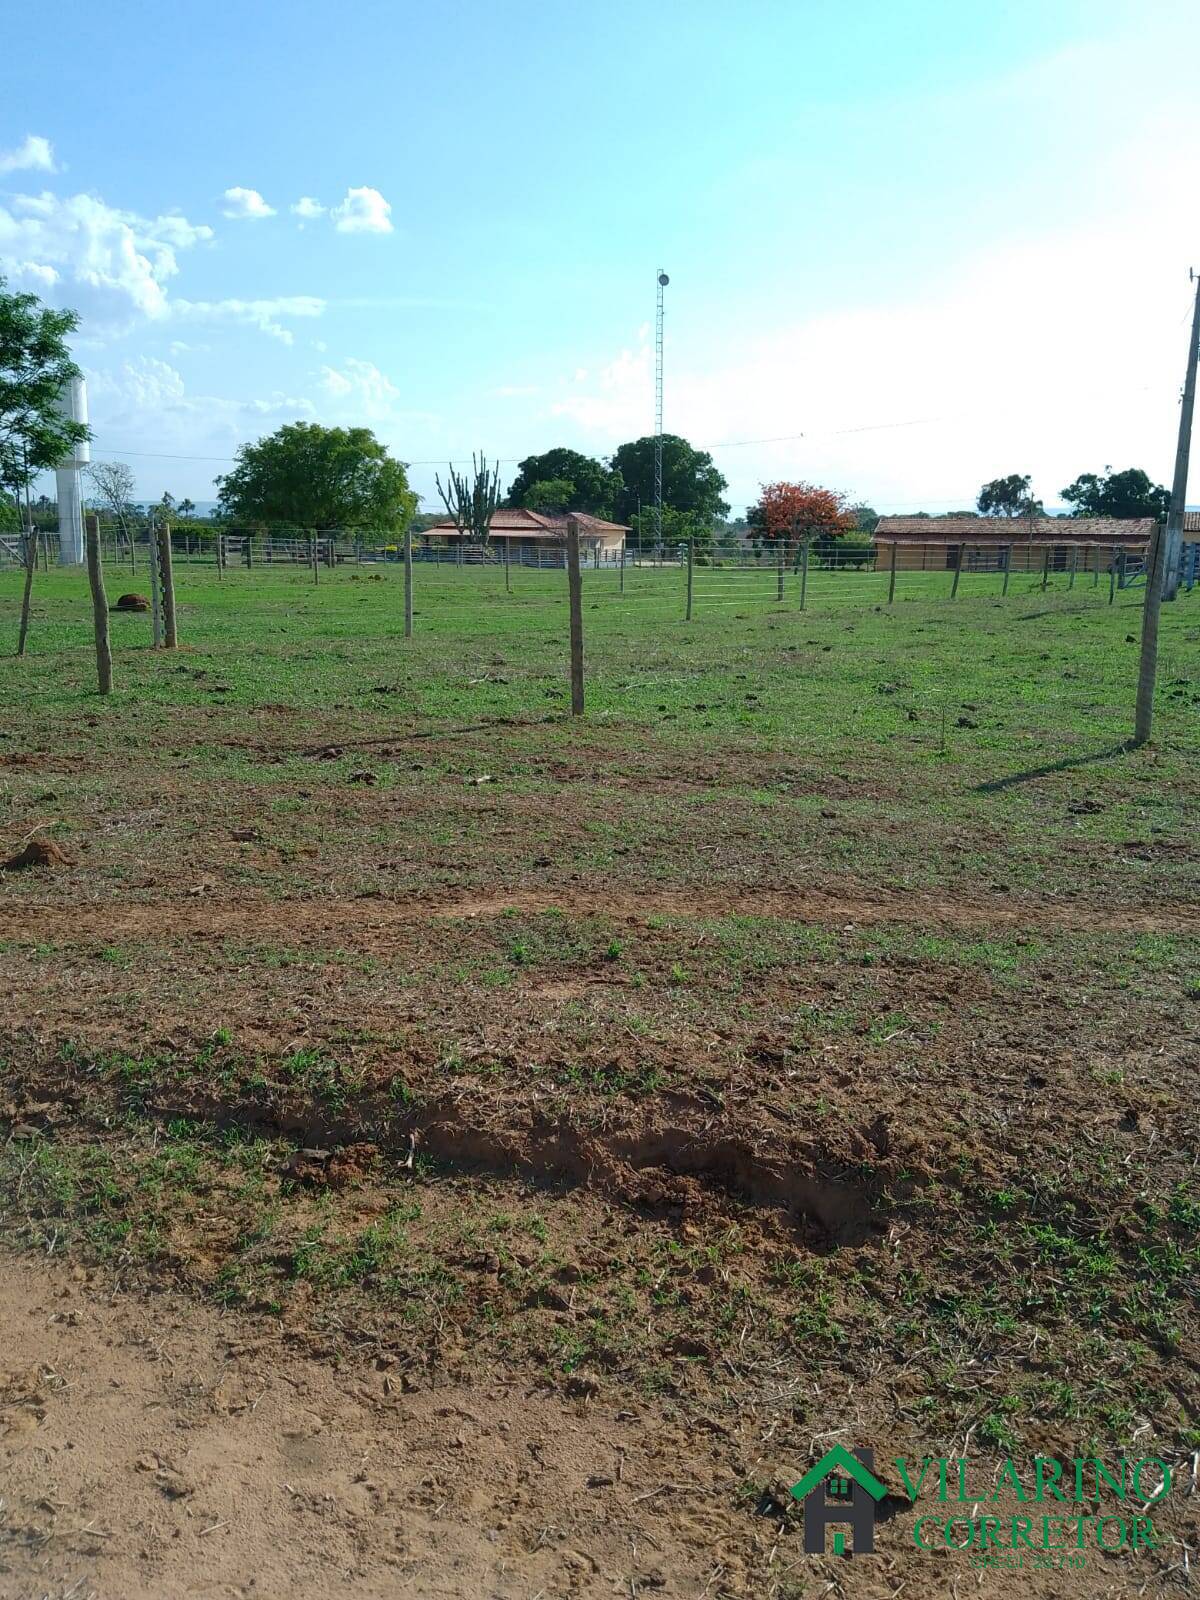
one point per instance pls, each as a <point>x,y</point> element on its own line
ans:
<point>480,589</point>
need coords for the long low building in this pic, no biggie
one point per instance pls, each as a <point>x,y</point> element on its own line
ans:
<point>934,544</point>
<point>538,536</point>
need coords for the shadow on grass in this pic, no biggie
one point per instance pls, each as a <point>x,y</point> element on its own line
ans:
<point>999,784</point>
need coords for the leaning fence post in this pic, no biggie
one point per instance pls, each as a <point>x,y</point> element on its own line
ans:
<point>99,605</point>
<point>1006,559</point>
<point>408,583</point>
<point>166,572</point>
<point>892,573</point>
<point>957,572</point>
<point>804,574</point>
<point>30,547</point>
<point>1148,666</point>
<point>690,564</point>
<point>575,598</point>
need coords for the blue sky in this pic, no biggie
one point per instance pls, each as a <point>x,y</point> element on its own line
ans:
<point>939,241</point>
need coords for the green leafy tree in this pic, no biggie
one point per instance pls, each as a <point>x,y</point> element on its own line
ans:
<point>1009,497</point>
<point>1117,494</point>
<point>691,480</point>
<point>35,365</point>
<point>550,494</point>
<point>10,519</point>
<point>309,476</point>
<point>594,486</point>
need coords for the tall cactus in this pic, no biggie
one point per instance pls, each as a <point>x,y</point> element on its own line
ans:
<point>471,501</point>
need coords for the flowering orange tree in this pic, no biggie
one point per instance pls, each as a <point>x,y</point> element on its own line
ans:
<point>792,512</point>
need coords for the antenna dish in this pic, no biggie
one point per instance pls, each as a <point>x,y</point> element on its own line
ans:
<point>663,279</point>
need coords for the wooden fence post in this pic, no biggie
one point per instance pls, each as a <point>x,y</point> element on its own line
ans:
<point>220,554</point>
<point>1074,565</point>
<point>690,565</point>
<point>1046,570</point>
<point>1095,554</point>
<point>507,575</point>
<point>1148,665</point>
<point>166,572</point>
<point>892,573</point>
<point>408,583</point>
<point>575,598</point>
<point>804,574</point>
<point>312,555</point>
<point>1112,575</point>
<point>1006,558</point>
<point>1122,567</point>
<point>957,572</point>
<point>622,566</point>
<point>30,544</point>
<point>779,574</point>
<point>155,586</point>
<point>104,671</point>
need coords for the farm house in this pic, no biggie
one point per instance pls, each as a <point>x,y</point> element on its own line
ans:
<point>932,544</point>
<point>538,538</point>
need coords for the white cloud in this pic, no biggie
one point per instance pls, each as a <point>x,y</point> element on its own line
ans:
<point>362,211</point>
<point>34,155</point>
<point>111,265</point>
<point>246,205</point>
<point>142,410</point>
<point>308,209</point>
<point>265,315</point>
<point>362,384</point>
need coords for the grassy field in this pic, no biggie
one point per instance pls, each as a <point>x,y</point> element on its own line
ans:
<point>803,1040</point>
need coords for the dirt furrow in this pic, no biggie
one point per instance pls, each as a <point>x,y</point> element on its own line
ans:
<point>364,922</point>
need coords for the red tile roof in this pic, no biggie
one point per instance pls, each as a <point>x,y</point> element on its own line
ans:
<point>1014,530</point>
<point>1191,522</point>
<point>534,524</point>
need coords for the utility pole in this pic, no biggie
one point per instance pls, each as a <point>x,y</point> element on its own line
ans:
<point>1173,553</point>
<point>663,281</point>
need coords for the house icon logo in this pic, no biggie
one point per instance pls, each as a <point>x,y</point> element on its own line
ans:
<point>841,1487</point>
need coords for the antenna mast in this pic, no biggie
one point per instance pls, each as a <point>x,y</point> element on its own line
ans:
<point>663,280</point>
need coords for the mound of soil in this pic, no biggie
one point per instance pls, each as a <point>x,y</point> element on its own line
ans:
<point>38,852</point>
<point>132,602</point>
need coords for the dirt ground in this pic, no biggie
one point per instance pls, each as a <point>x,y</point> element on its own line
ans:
<point>153,1449</point>
<point>496,1158</point>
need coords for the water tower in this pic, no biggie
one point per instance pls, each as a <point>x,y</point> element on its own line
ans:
<point>72,404</point>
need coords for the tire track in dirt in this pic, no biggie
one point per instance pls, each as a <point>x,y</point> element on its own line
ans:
<point>364,922</point>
